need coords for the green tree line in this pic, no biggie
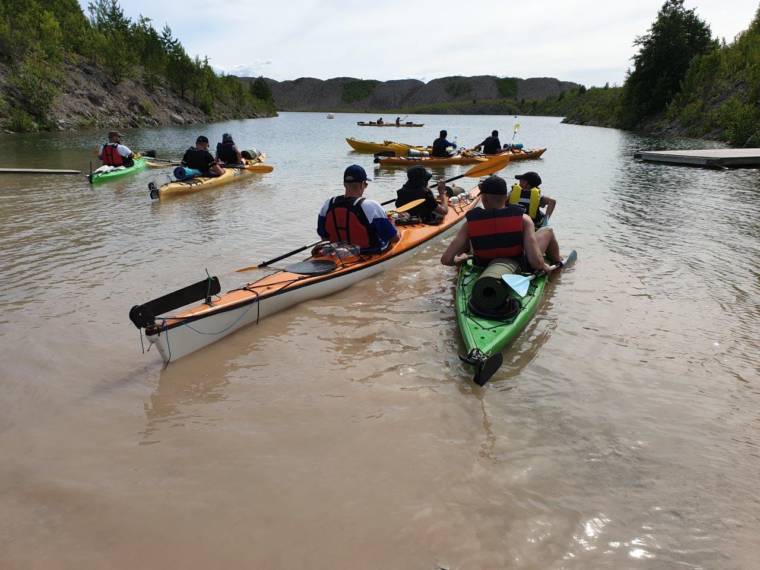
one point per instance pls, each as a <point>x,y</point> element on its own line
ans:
<point>684,80</point>
<point>37,37</point>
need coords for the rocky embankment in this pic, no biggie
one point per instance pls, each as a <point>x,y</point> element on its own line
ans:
<point>350,94</point>
<point>88,97</point>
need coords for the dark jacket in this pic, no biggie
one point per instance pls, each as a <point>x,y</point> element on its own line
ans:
<point>439,147</point>
<point>409,193</point>
<point>198,159</point>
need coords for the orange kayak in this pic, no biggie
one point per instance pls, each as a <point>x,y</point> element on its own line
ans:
<point>430,160</point>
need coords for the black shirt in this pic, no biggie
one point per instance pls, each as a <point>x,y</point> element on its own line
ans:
<point>492,145</point>
<point>198,159</point>
<point>408,194</point>
<point>227,153</point>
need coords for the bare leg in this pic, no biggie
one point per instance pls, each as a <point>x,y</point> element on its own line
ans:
<point>547,244</point>
<point>216,170</point>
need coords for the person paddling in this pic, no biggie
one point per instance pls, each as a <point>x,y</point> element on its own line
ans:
<point>431,211</point>
<point>499,230</point>
<point>199,158</point>
<point>353,219</point>
<point>526,193</point>
<point>441,146</point>
<point>490,145</point>
<point>113,153</point>
<point>227,152</point>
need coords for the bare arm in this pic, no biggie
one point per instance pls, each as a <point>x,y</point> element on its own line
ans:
<point>443,200</point>
<point>551,203</point>
<point>530,245</point>
<point>458,247</point>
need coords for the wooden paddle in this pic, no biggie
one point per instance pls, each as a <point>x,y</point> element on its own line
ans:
<point>481,169</point>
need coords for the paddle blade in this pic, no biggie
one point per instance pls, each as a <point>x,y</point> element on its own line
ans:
<point>518,283</point>
<point>570,259</point>
<point>410,205</point>
<point>488,167</point>
<point>486,369</point>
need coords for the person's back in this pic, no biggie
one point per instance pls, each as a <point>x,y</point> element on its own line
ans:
<point>353,219</point>
<point>441,146</point>
<point>199,158</point>
<point>492,144</point>
<point>415,188</point>
<point>227,152</point>
<point>113,153</point>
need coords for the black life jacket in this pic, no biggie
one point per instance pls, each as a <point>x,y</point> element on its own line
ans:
<point>495,233</point>
<point>346,221</point>
<point>226,152</point>
<point>111,156</point>
<point>439,147</point>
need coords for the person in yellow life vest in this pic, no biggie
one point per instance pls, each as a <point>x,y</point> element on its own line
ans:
<point>527,194</point>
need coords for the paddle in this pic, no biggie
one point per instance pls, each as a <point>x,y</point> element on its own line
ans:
<point>520,283</point>
<point>481,169</point>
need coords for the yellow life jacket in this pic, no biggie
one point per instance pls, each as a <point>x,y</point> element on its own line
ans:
<point>530,200</point>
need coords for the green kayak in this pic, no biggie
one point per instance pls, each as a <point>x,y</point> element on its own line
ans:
<point>486,336</point>
<point>98,177</point>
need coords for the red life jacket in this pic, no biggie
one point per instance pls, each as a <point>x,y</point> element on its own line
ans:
<point>346,221</point>
<point>111,156</point>
<point>495,233</point>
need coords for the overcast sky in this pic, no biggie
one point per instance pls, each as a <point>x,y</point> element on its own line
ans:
<point>586,41</point>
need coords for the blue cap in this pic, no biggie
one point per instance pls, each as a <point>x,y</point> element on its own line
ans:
<point>355,173</point>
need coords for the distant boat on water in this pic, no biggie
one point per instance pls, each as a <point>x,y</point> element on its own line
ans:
<point>330,116</point>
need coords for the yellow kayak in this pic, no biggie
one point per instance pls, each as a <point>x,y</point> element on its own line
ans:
<point>179,187</point>
<point>399,149</point>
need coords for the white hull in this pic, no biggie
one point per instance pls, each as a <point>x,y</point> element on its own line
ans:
<point>183,339</point>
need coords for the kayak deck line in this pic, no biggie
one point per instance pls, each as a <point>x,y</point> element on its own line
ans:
<point>197,326</point>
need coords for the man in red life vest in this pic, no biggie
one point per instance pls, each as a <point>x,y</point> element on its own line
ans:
<point>499,230</point>
<point>113,153</point>
<point>353,219</point>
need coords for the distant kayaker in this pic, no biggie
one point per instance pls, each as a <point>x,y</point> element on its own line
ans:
<point>441,145</point>
<point>415,188</point>
<point>380,121</point>
<point>500,230</point>
<point>353,219</point>
<point>526,193</point>
<point>227,152</point>
<point>113,153</point>
<point>199,158</point>
<point>398,121</point>
<point>491,145</point>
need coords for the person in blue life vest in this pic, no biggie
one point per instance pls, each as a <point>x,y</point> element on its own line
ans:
<point>441,146</point>
<point>353,219</point>
<point>500,230</point>
<point>199,158</point>
<point>113,153</point>
<point>227,151</point>
<point>431,211</point>
<point>490,145</point>
<point>527,193</point>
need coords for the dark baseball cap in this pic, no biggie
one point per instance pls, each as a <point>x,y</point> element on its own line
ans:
<point>355,173</point>
<point>418,174</point>
<point>531,178</point>
<point>493,185</point>
<point>201,139</point>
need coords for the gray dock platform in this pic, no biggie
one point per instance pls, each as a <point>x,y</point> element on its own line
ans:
<point>711,158</point>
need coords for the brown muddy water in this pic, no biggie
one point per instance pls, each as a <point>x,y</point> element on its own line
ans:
<point>623,430</point>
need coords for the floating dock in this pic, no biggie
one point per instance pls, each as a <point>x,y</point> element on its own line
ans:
<point>711,158</point>
<point>36,171</point>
